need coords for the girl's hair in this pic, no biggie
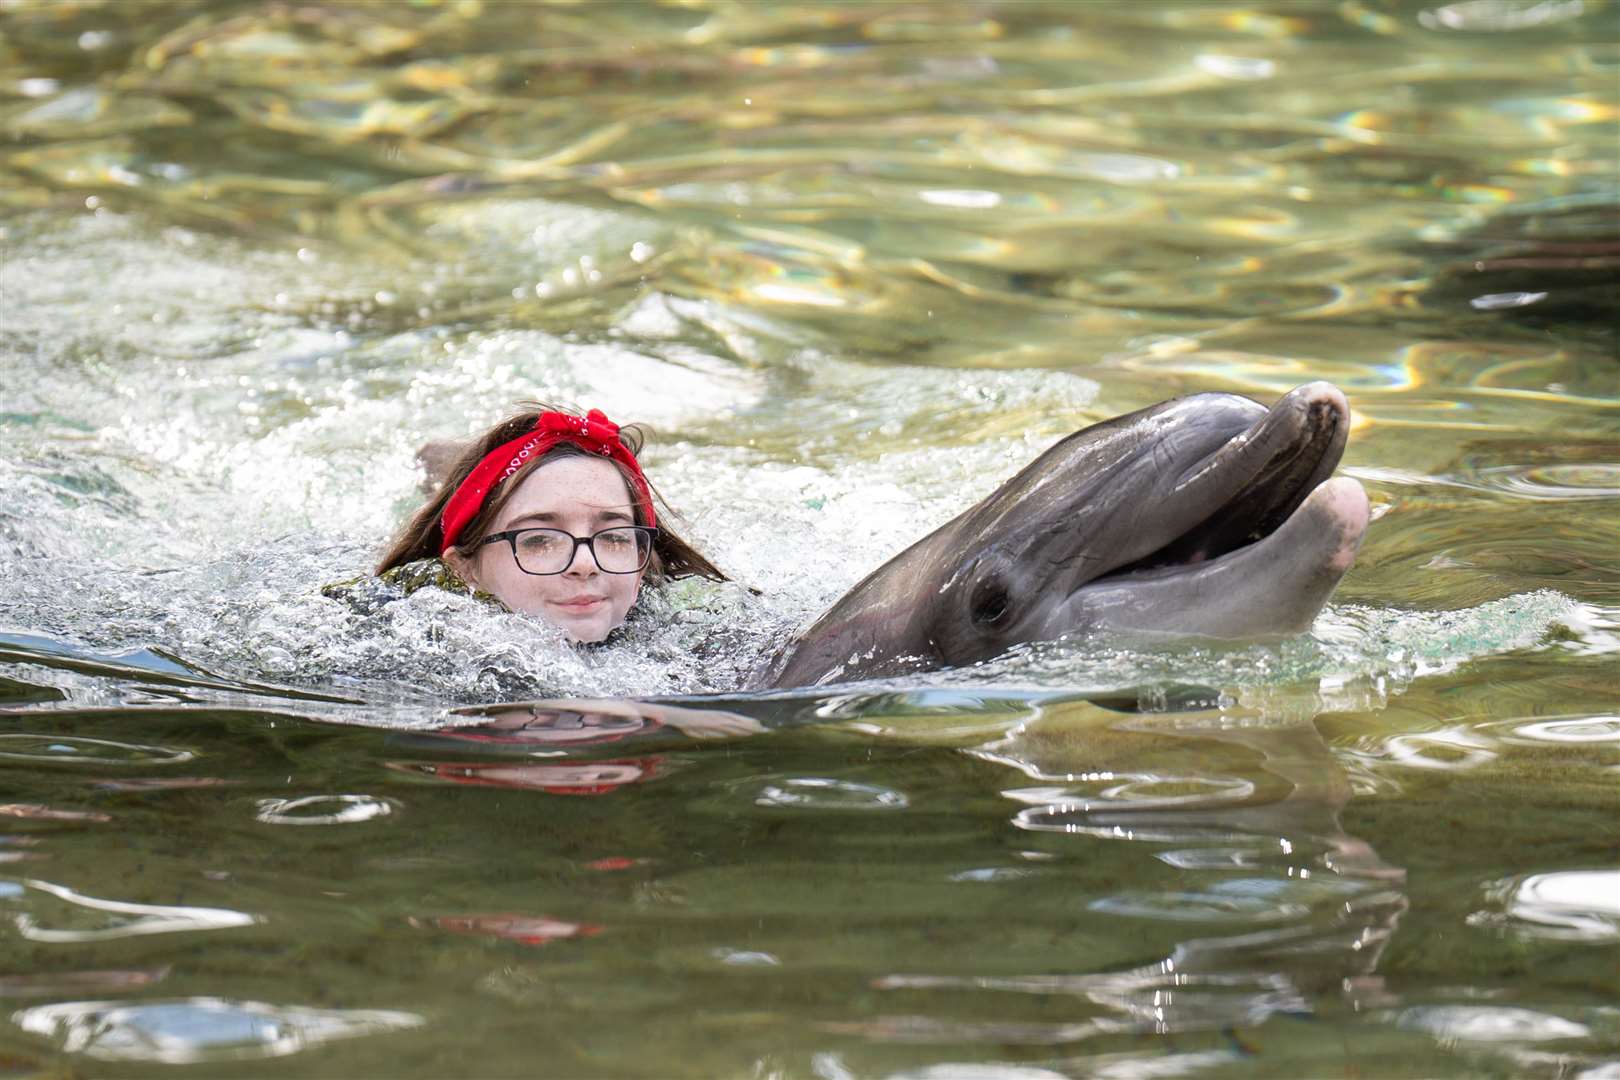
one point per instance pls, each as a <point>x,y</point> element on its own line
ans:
<point>422,536</point>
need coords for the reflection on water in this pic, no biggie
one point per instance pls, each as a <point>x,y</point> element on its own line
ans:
<point>854,264</point>
<point>820,793</point>
<point>198,1030</point>
<point>1484,1023</point>
<point>1582,905</point>
<point>57,749</point>
<point>107,918</point>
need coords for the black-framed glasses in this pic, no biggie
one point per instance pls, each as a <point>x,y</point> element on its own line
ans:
<point>623,549</point>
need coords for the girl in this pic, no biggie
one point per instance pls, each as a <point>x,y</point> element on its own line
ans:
<point>550,514</point>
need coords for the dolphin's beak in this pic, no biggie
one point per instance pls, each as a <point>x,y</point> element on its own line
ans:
<point>1266,561</point>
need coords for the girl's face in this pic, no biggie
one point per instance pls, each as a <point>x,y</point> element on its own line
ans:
<point>579,495</point>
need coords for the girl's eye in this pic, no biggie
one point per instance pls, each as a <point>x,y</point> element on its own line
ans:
<point>615,539</point>
<point>537,542</point>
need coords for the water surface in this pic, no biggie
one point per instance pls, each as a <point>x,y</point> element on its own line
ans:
<point>852,264</point>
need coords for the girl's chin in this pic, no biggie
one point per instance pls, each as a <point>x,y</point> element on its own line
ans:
<point>583,629</point>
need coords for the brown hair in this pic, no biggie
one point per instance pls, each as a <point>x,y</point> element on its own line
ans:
<point>422,536</point>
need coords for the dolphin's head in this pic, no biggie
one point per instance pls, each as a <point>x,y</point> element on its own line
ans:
<point>1210,515</point>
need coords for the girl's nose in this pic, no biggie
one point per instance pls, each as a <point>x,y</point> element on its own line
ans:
<point>583,563</point>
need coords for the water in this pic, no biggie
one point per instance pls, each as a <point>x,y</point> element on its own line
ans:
<point>852,264</point>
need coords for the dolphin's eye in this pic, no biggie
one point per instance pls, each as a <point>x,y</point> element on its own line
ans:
<point>990,602</point>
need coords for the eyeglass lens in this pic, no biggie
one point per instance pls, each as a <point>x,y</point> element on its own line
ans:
<point>549,551</point>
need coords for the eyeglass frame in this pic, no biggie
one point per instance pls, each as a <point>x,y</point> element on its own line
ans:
<point>587,542</point>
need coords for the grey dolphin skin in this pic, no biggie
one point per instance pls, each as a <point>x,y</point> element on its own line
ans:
<point>1208,516</point>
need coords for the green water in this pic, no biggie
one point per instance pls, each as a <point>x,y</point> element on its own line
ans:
<point>852,264</point>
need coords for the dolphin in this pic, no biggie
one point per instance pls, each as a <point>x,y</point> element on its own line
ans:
<point>1207,516</point>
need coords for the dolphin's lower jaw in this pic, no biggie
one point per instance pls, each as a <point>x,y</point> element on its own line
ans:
<point>1273,587</point>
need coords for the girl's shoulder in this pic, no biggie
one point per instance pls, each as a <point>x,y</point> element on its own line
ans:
<point>368,592</point>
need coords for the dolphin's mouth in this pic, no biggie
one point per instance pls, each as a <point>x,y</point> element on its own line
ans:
<point>1307,429</point>
<point>1264,562</point>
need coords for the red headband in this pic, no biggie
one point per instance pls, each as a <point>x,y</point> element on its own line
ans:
<point>592,432</point>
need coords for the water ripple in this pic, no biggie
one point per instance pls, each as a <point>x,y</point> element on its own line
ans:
<point>116,918</point>
<point>323,810</point>
<point>80,750</point>
<point>67,983</point>
<point>1125,806</point>
<point>1450,750</point>
<point>187,1031</point>
<point>1502,301</point>
<point>822,793</point>
<point>1140,791</point>
<point>1213,858</point>
<point>992,873</point>
<point>978,1070</point>
<point>744,957</point>
<point>1501,16</point>
<point>1568,905</point>
<point>1245,900</point>
<point>1489,1023</point>
<point>1589,480</point>
<point>1572,730</point>
<point>509,926</point>
<point>41,812</point>
<point>1064,818</point>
